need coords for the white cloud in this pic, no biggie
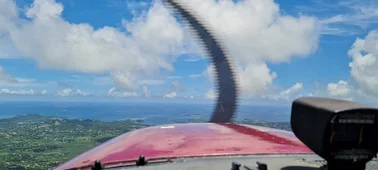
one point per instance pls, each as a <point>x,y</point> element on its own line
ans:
<point>63,93</point>
<point>119,93</point>
<point>254,79</point>
<point>340,89</point>
<point>193,58</point>
<point>302,95</point>
<point>364,64</point>
<point>176,86</point>
<point>337,90</point>
<point>360,15</point>
<point>195,75</point>
<point>80,47</point>
<point>146,91</point>
<point>174,77</point>
<point>251,29</point>
<point>209,73</point>
<point>124,80</point>
<point>351,17</point>
<point>296,87</point>
<point>190,97</point>
<point>5,91</point>
<point>128,94</point>
<point>211,94</point>
<point>43,92</point>
<point>170,95</point>
<point>69,92</point>
<point>288,94</point>
<point>112,90</point>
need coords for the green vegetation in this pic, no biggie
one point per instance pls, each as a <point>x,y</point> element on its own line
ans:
<point>40,142</point>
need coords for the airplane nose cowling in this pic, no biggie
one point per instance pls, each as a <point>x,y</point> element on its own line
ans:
<point>190,140</point>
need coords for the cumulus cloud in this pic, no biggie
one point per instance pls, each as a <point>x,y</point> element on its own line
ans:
<point>364,64</point>
<point>176,86</point>
<point>211,94</point>
<point>124,80</point>
<point>170,95</point>
<point>146,91</point>
<point>209,73</point>
<point>128,94</point>
<point>62,93</point>
<point>254,79</point>
<point>256,32</point>
<point>32,92</point>
<point>118,93</point>
<point>296,87</point>
<point>288,94</point>
<point>172,89</point>
<point>53,42</point>
<point>70,92</point>
<point>339,89</point>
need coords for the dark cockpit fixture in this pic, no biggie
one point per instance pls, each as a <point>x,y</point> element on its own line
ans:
<point>344,133</point>
<point>141,161</point>
<point>97,165</point>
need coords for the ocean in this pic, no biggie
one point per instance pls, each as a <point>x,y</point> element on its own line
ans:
<point>151,113</point>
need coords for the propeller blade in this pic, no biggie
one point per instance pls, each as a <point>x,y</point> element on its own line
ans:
<point>225,108</point>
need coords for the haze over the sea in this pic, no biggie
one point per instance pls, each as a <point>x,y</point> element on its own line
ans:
<point>151,113</point>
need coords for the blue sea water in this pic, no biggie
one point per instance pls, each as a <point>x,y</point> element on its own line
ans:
<point>151,113</point>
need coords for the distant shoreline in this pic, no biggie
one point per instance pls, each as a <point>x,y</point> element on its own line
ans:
<point>148,113</point>
<point>152,101</point>
<point>277,125</point>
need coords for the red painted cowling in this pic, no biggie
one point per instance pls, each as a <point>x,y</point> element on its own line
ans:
<point>191,139</point>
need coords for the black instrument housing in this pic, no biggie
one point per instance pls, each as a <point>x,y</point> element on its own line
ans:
<point>342,132</point>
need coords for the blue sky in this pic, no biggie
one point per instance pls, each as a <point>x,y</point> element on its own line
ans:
<point>136,50</point>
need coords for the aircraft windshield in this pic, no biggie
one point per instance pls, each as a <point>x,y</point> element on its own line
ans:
<point>79,74</point>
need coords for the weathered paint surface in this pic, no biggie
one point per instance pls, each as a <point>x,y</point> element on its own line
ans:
<point>191,139</point>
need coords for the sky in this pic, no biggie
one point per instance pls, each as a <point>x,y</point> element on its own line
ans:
<point>139,50</point>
